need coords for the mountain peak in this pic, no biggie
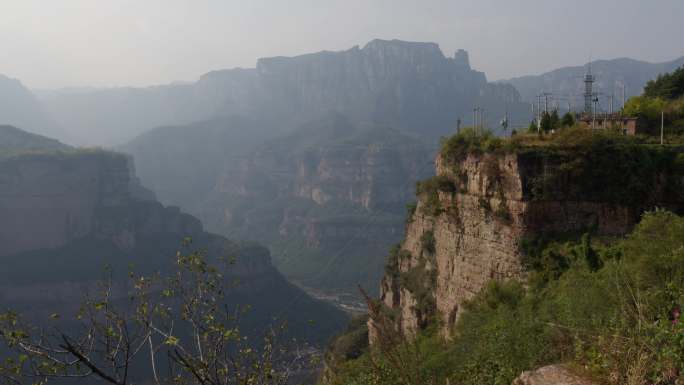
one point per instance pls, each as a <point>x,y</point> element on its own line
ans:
<point>462,59</point>
<point>15,139</point>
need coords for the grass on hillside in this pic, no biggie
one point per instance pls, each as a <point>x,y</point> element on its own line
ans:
<point>611,310</point>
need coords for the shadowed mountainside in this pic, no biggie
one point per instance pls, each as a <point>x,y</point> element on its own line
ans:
<point>66,215</point>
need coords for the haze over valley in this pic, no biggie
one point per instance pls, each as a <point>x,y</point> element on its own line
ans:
<point>376,206</point>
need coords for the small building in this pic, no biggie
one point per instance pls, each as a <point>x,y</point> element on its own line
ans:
<point>628,124</point>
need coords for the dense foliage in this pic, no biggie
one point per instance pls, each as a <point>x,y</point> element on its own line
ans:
<point>663,99</point>
<point>609,306</point>
<point>428,190</point>
<point>580,164</point>
<point>611,309</point>
<point>667,86</point>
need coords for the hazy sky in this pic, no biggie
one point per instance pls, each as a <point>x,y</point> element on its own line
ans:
<point>56,43</point>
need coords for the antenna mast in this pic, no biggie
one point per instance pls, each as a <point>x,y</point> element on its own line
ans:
<point>588,90</point>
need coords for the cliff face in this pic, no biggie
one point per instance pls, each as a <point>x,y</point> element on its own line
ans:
<point>407,85</point>
<point>331,188</point>
<point>472,220</point>
<point>66,215</point>
<point>49,200</point>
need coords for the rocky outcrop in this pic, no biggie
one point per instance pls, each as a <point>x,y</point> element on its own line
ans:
<point>50,199</point>
<point>551,375</point>
<point>65,216</point>
<point>472,219</point>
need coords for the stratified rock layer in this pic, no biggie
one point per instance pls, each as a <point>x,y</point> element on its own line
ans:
<point>329,199</point>
<point>477,223</point>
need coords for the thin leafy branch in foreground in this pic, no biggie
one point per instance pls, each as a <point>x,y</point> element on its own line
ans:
<point>160,329</point>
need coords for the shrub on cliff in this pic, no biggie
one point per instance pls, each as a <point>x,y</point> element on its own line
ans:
<point>427,242</point>
<point>614,310</point>
<point>457,147</point>
<point>351,344</point>
<point>428,190</point>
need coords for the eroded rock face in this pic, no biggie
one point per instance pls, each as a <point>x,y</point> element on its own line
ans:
<point>49,200</point>
<point>551,375</point>
<point>329,188</point>
<point>477,223</point>
<point>70,219</point>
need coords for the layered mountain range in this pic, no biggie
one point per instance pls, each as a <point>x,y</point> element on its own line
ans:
<point>406,85</point>
<point>315,155</point>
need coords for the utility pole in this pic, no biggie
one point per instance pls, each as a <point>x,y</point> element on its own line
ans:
<point>662,127</point>
<point>539,114</point>
<point>546,102</point>
<point>458,125</point>
<point>593,113</point>
<point>624,95</point>
<point>611,104</point>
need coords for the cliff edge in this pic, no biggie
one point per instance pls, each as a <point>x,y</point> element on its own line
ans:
<point>493,198</point>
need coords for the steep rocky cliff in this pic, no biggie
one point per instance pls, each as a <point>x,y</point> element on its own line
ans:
<point>407,85</point>
<point>491,199</point>
<point>50,199</point>
<point>66,215</point>
<point>328,199</point>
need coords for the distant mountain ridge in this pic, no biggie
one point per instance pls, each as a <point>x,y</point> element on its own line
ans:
<point>407,85</point>
<point>15,139</point>
<point>610,75</point>
<point>19,107</point>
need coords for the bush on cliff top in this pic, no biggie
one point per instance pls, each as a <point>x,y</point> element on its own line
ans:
<point>428,191</point>
<point>613,310</point>
<point>580,164</point>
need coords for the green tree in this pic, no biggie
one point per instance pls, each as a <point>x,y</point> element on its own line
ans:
<point>555,120</point>
<point>568,120</point>
<point>532,128</point>
<point>644,107</point>
<point>547,121</point>
<point>668,86</point>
